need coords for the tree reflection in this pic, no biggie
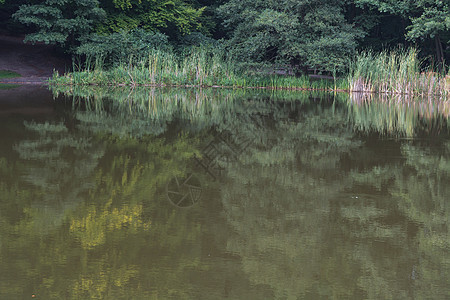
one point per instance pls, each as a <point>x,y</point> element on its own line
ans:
<point>59,164</point>
<point>280,201</point>
<point>76,183</point>
<point>305,206</point>
<point>311,229</point>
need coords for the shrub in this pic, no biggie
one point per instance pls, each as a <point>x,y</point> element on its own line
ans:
<point>117,48</point>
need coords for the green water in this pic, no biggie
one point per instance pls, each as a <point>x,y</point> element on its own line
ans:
<point>222,194</point>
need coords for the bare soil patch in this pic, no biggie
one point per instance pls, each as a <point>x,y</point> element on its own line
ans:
<point>34,62</point>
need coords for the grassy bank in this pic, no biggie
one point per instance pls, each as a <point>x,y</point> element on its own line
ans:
<point>396,72</point>
<point>198,68</point>
<point>7,86</point>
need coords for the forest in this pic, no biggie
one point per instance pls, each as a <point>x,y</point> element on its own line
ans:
<point>292,37</point>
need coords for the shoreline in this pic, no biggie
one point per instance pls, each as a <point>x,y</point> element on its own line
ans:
<point>45,81</point>
<point>247,87</point>
<point>26,80</point>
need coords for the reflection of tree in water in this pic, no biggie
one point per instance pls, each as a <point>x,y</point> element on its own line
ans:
<point>106,247</point>
<point>311,210</point>
<point>419,192</point>
<point>227,133</point>
<point>307,228</point>
<point>278,202</point>
<point>276,139</point>
<point>149,109</point>
<point>141,244</point>
<point>60,164</point>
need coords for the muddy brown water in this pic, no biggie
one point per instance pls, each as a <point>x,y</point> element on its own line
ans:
<point>191,194</point>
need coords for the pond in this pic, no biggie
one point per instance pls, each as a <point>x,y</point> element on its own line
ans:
<point>222,194</point>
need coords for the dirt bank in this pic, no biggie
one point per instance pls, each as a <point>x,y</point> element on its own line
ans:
<point>34,62</point>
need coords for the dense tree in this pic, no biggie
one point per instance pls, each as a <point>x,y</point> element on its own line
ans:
<point>122,46</point>
<point>210,19</point>
<point>424,20</point>
<point>110,27</point>
<point>305,33</point>
<point>7,9</point>
<point>433,22</point>
<point>310,33</point>
<point>173,18</point>
<point>63,22</point>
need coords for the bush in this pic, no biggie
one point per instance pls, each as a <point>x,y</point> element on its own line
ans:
<point>118,48</point>
<point>197,39</point>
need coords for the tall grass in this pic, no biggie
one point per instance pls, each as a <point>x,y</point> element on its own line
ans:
<point>395,72</point>
<point>198,67</point>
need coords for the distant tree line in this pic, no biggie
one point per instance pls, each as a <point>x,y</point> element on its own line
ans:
<point>308,34</point>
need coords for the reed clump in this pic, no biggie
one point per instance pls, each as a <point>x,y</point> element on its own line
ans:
<point>395,72</point>
<point>158,68</point>
<point>197,67</point>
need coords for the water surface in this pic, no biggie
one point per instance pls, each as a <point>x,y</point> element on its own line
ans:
<point>222,194</point>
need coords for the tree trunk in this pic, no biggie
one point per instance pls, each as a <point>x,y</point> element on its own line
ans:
<point>439,53</point>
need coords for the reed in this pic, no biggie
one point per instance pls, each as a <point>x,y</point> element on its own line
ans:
<point>395,72</point>
<point>197,67</point>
